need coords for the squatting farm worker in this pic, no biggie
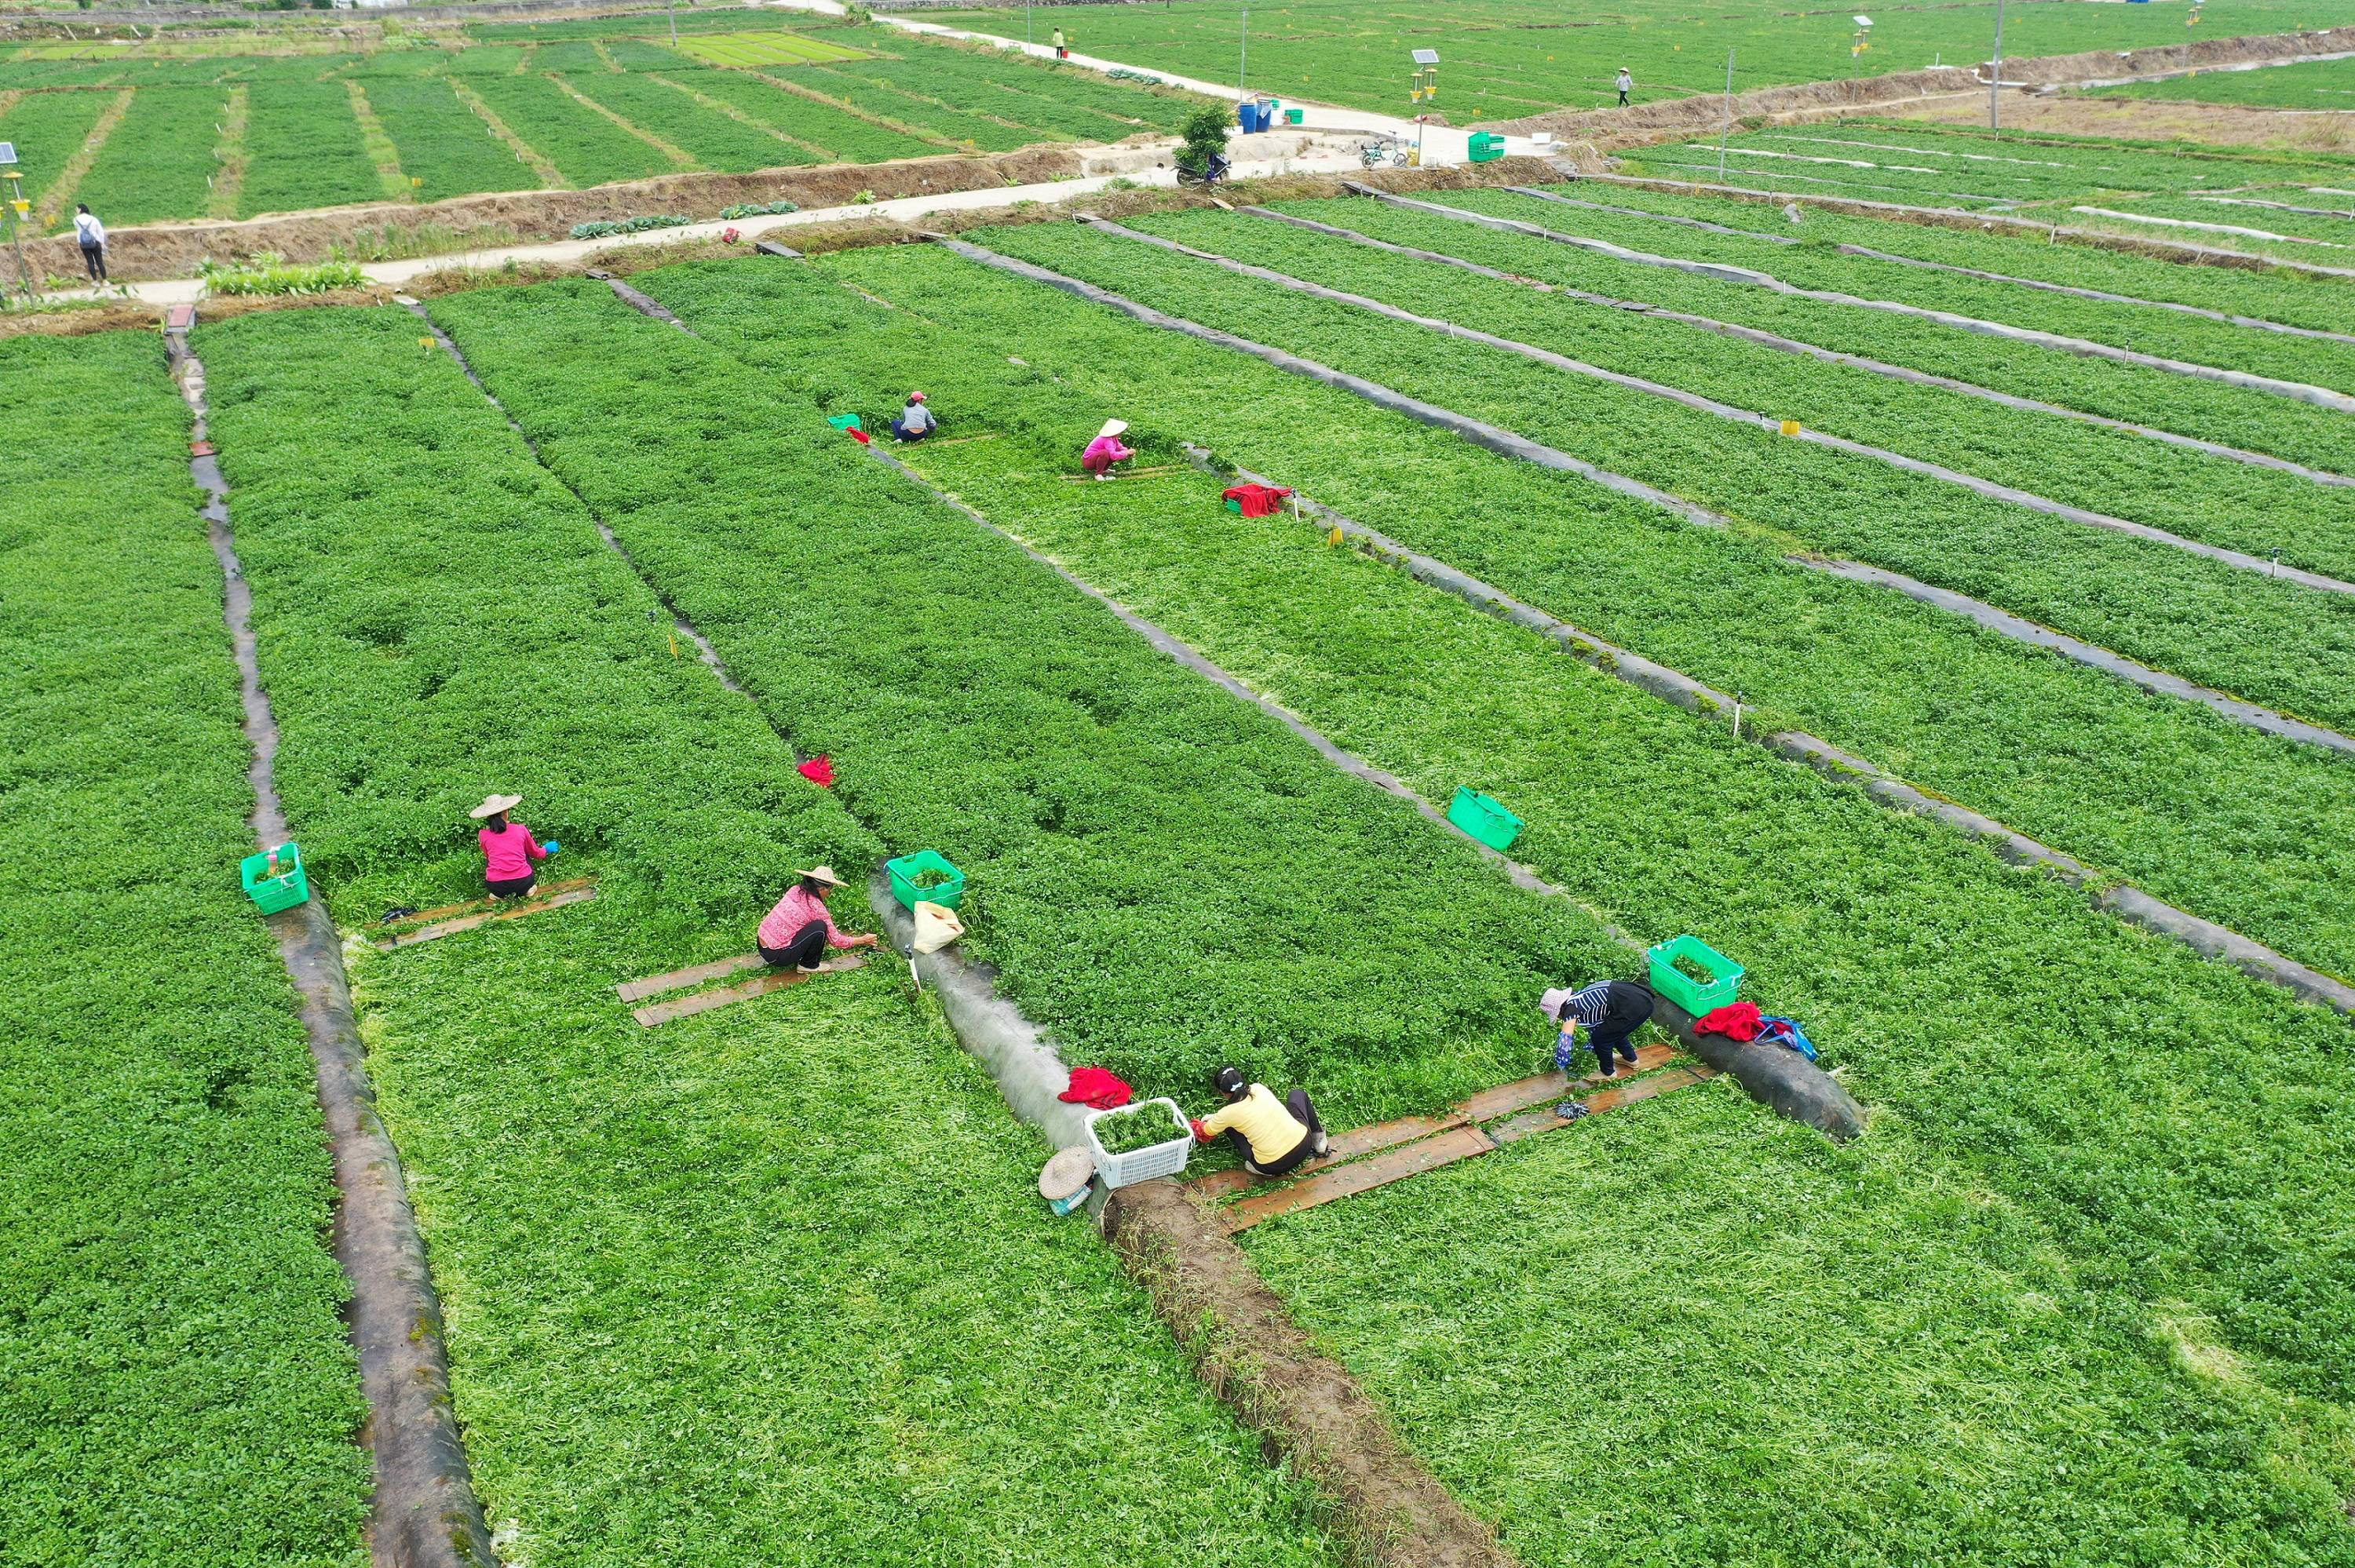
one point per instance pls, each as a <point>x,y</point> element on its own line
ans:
<point>90,235</point>
<point>1626,84</point>
<point>509,852</point>
<point>1275,1136</point>
<point>1611,1011</point>
<point>799,930</point>
<point>1106,450</point>
<point>915,422</point>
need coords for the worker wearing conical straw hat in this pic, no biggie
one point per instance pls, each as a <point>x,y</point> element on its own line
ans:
<point>1106,450</point>
<point>509,851</point>
<point>798,932</point>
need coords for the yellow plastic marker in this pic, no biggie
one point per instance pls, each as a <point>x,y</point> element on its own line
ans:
<point>1334,537</point>
<point>673,644</point>
<point>1790,427</point>
<point>425,342</point>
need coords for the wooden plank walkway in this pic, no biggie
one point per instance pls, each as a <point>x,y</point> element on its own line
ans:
<point>1384,1152</point>
<point>517,911</point>
<point>744,991</point>
<point>655,985</point>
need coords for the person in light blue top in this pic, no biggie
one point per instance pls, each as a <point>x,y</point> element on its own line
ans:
<point>915,422</point>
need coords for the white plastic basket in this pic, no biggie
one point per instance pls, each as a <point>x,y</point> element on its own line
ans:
<point>1143,1164</point>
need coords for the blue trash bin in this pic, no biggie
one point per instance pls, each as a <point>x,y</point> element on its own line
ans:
<point>1252,116</point>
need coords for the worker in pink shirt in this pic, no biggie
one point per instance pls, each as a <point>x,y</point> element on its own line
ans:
<point>1106,450</point>
<point>799,930</point>
<point>509,852</point>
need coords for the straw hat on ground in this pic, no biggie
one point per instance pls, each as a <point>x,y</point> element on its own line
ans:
<point>1066,1174</point>
<point>823,873</point>
<point>1112,427</point>
<point>493,804</point>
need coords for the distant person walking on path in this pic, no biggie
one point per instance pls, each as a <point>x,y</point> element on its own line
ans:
<point>1062,50</point>
<point>799,930</point>
<point>1275,1136</point>
<point>509,852</point>
<point>1106,450</point>
<point>90,235</point>
<point>1626,85</point>
<point>915,422</point>
<point>1612,1012</point>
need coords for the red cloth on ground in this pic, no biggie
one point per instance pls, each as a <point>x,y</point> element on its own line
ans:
<point>1095,1087</point>
<point>862,437</point>
<point>1256,499</point>
<point>1736,1020</point>
<point>819,770</point>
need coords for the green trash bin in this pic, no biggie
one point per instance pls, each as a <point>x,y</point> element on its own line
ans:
<point>273,892</point>
<point>1487,146</point>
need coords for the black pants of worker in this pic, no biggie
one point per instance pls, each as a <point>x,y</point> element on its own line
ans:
<point>93,257</point>
<point>1296,1102</point>
<point>1626,1008</point>
<point>804,951</point>
<point>900,429</point>
<point>1622,101</point>
<point>510,886</point>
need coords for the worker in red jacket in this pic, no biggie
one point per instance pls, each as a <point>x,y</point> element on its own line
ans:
<point>509,852</point>
<point>1275,1136</point>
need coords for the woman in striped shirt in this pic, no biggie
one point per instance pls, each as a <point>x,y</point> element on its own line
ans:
<point>1612,1012</point>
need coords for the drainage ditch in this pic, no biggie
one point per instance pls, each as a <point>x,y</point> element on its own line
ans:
<point>1505,443</point>
<point>423,1513</point>
<point>1695,402</point>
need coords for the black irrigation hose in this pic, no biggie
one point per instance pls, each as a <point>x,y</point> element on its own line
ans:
<point>2257,323</point>
<point>1672,685</point>
<point>423,1513</point>
<point>1829,356</point>
<point>1699,404</point>
<point>1506,444</point>
<point>2084,348</point>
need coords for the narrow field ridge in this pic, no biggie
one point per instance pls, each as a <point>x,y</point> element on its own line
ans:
<point>1825,355</point>
<point>423,1513</point>
<point>2256,324</point>
<point>1506,443</point>
<point>2321,397</point>
<point>1744,415</point>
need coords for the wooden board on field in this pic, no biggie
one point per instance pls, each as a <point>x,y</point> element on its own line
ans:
<point>655,985</point>
<point>1359,1176</point>
<point>744,991</point>
<point>1345,1146</point>
<point>514,911</point>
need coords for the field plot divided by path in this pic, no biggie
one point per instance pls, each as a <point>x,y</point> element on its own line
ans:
<point>1622,793</point>
<point>2320,86</point>
<point>710,1287</point>
<point>304,149</point>
<point>161,160</point>
<point>173,1369</point>
<point>442,141</point>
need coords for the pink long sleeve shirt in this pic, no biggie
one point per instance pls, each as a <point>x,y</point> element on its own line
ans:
<point>508,855</point>
<point>794,911</point>
<point>1102,452</point>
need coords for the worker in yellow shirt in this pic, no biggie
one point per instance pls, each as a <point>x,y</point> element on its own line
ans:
<point>1275,1136</point>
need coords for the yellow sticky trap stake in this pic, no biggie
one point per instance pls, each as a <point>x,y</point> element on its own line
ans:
<point>673,644</point>
<point>1334,537</point>
<point>425,342</point>
<point>1790,427</point>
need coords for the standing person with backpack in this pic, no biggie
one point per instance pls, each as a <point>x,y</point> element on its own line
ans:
<point>1611,1012</point>
<point>90,235</point>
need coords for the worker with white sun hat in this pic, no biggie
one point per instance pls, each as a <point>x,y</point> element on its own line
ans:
<point>1106,450</point>
<point>510,853</point>
<point>798,932</point>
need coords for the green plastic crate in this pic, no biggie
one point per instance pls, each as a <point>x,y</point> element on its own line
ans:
<point>283,891</point>
<point>1483,818</point>
<point>844,421</point>
<point>1695,998</point>
<point>1486,146</point>
<point>904,871</point>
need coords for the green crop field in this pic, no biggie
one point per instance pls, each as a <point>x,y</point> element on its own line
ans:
<point>1508,58</point>
<point>774,1284</point>
<point>2321,85</point>
<point>233,134</point>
